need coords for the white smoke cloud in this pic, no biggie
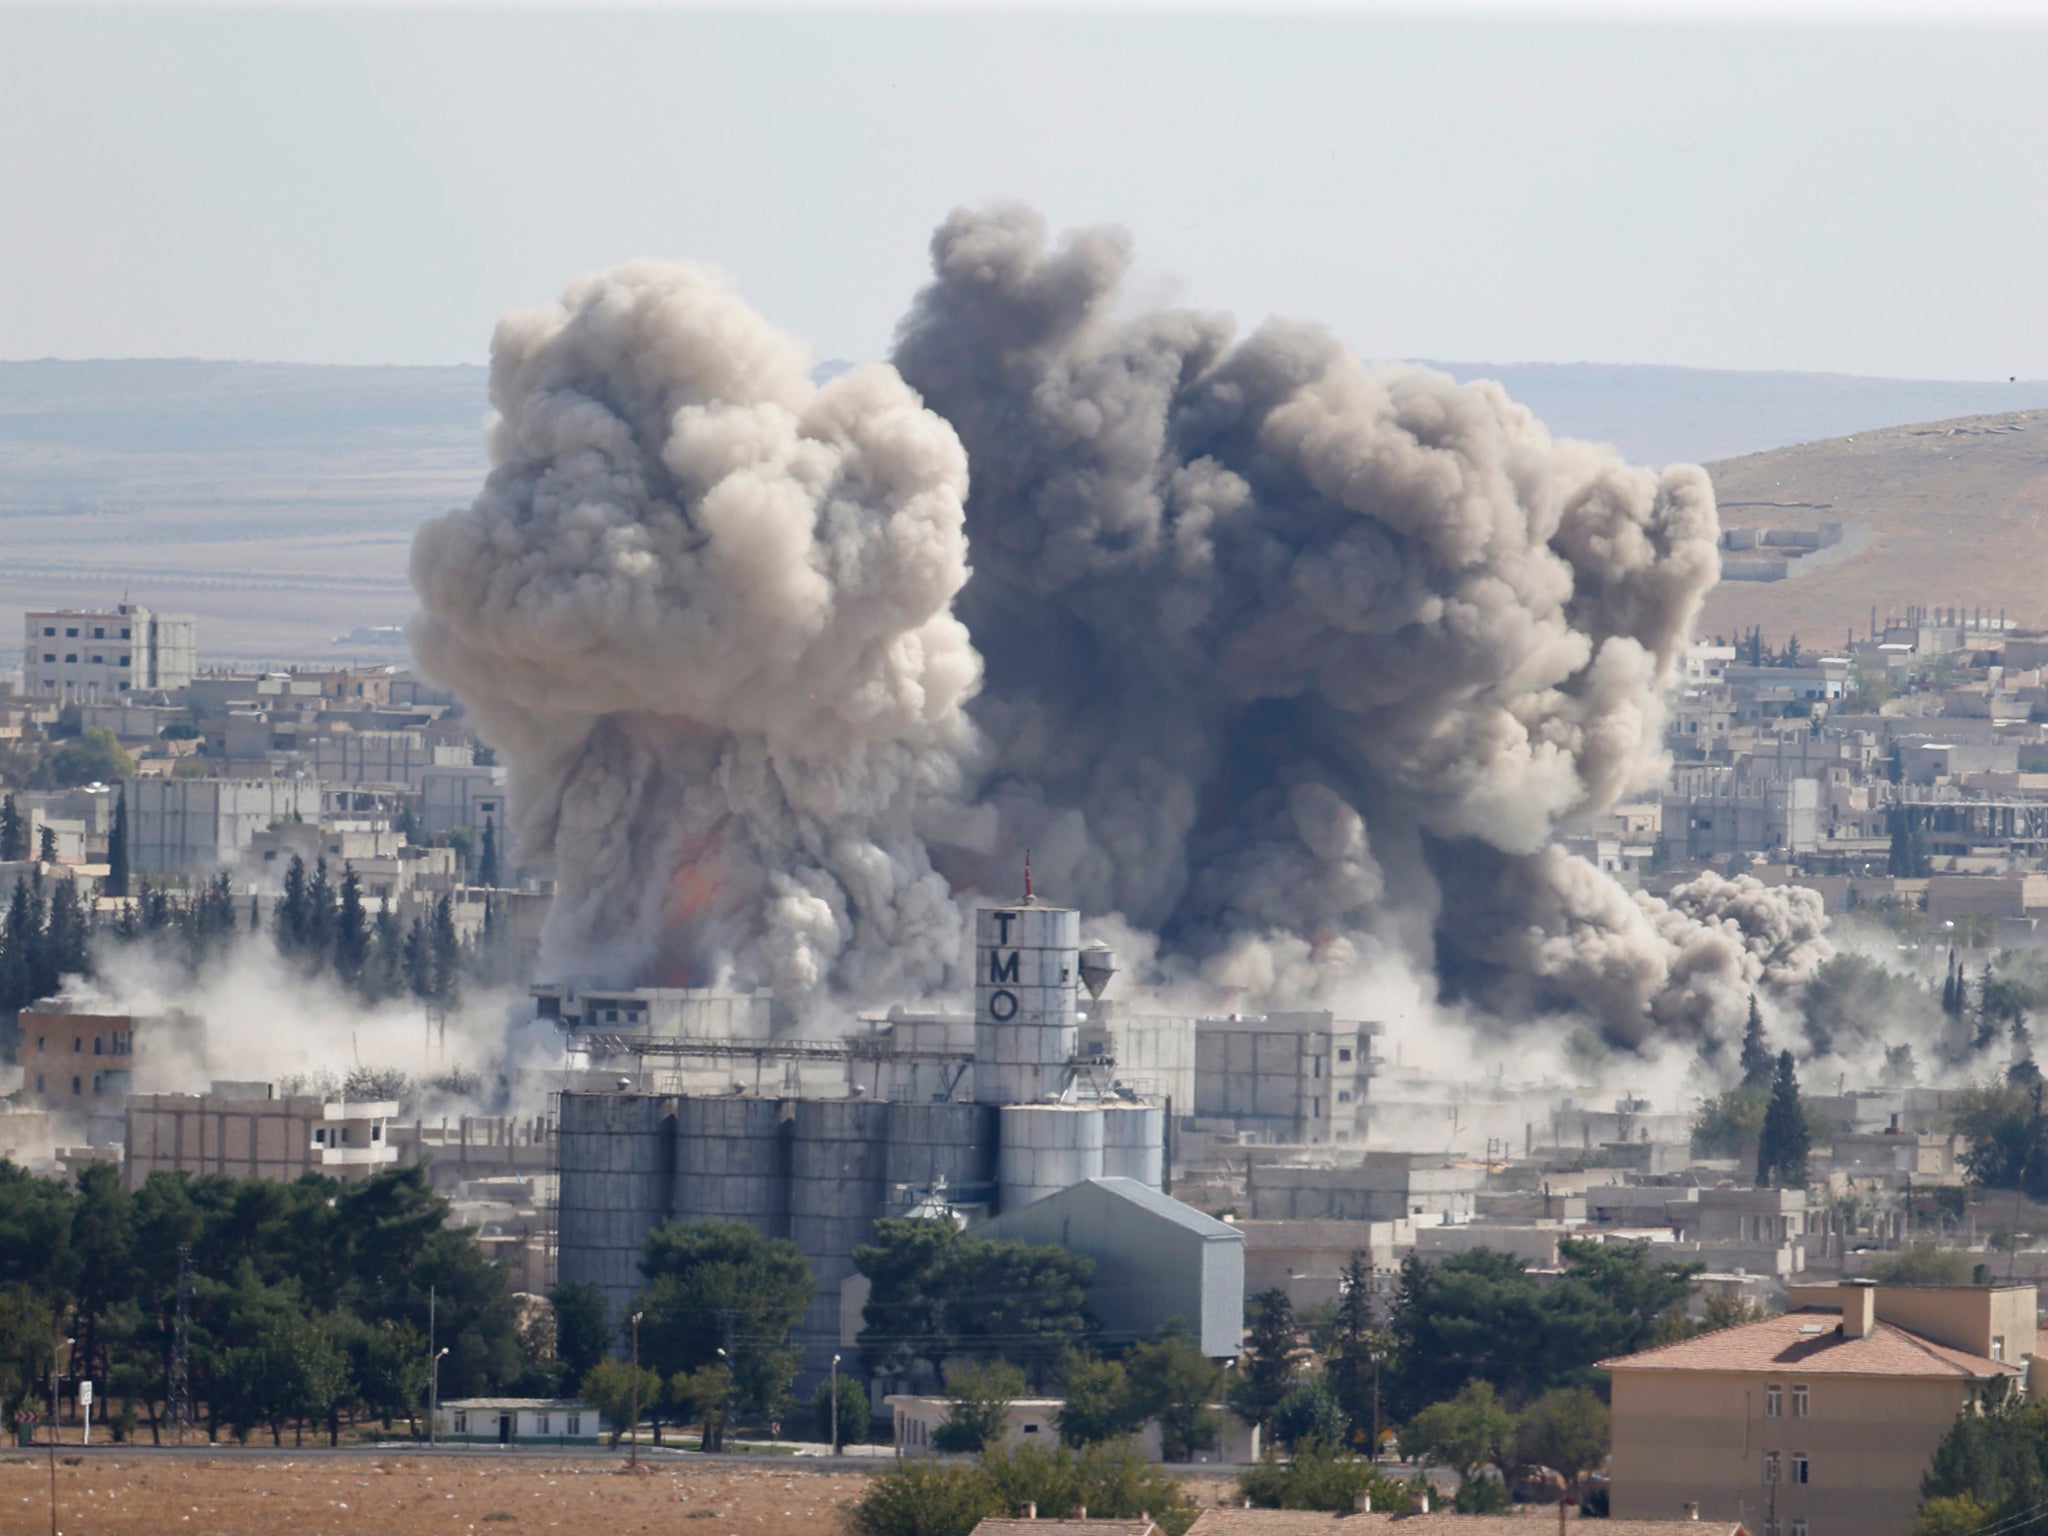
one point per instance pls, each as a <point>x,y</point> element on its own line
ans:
<point>704,610</point>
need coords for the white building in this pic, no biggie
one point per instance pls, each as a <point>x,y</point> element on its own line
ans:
<point>95,655</point>
<point>454,796</point>
<point>516,1420</point>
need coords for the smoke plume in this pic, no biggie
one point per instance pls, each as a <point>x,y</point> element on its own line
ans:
<point>1294,665</point>
<point>704,611</point>
<point>1292,660</point>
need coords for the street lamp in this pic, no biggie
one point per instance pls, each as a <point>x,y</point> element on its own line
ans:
<point>54,1354</point>
<point>633,1454</point>
<point>835,1405</point>
<point>434,1398</point>
<point>725,1403</point>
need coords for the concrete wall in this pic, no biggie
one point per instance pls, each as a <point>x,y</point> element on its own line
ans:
<point>1684,1436</point>
<point>241,1138</point>
<point>202,824</point>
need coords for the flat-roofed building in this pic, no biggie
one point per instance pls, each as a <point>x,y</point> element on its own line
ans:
<point>1819,1421</point>
<point>247,1131</point>
<point>97,655</point>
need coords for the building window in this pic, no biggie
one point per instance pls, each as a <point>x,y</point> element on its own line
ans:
<point>319,1137</point>
<point>48,657</point>
<point>540,1424</point>
<point>461,1421</point>
<point>76,1089</point>
<point>1798,1526</point>
<point>377,1130</point>
<point>1800,1403</point>
<point>96,1046</point>
<point>1998,1346</point>
<point>1770,1466</point>
<point>98,633</point>
<point>574,1425</point>
<point>70,634</point>
<point>124,634</point>
<point>71,656</point>
<point>1774,1401</point>
<point>1343,1055</point>
<point>99,661</point>
<point>1343,1098</point>
<point>39,1082</point>
<point>78,1045</point>
<point>49,632</point>
<point>124,661</point>
<point>1799,1467</point>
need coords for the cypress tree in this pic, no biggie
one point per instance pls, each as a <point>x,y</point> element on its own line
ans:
<point>18,943</point>
<point>290,912</point>
<point>419,961</point>
<point>487,861</point>
<point>447,955</point>
<point>13,839</point>
<point>386,972</point>
<point>351,929</point>
<point>1782,1149</point>
<point>46,844</point>
<point>117,846</point>
<point>320,914</point>
<point>1756,1054</point>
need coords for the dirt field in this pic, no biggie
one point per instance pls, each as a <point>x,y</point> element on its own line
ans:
<point>271,1494</point>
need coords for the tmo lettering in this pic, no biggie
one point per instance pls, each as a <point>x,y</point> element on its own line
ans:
<point>1002,1005</point>
<point>1004,919</point>
<point>1002,967</point>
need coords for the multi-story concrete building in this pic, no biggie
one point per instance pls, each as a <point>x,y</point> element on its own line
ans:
<point>94,655</point>
<point>1818,1422</point>
<point>202,824</point>
<point>244,1130</point>
<point>1292,1077</point>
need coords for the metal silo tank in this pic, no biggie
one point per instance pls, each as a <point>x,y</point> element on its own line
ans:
<point>838,1162</point>
<point>615,1155</point>
<point>1046,1148</point>
<point>1133,1143</point>
<point>733,1162</point>
<point>933,1142</point>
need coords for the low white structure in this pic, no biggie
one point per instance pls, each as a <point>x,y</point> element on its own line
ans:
<point>352,1136</point>
<point>519,1420</point>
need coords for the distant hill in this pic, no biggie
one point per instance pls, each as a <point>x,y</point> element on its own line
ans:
<point>1958,513</point>
<point>277,501</point>
<point>1696,415</point>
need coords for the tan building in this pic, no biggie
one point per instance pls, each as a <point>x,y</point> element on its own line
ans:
<point>244,1131</point>
<point>77,1061</point>
<point>1818,1422</point>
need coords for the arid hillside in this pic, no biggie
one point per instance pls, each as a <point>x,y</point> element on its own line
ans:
<point>1957,512</point>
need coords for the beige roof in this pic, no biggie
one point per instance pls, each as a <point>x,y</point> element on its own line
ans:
<point>1125,1527</point>
<point>1310,1522</point>
<point>1811,1341</point>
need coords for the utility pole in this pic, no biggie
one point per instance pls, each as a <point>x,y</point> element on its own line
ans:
<point>433,1376</point>
<point>633,1455</point>
<point>54,1354</point>
<point>181,1349</point>
<point>835,1405</point>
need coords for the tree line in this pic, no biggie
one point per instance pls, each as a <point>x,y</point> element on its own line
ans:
<point>306,1304</point>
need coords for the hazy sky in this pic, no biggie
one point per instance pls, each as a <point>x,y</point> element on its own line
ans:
<point>373,186</point>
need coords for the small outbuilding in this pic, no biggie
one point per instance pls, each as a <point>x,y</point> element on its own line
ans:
<point>519,1421</point>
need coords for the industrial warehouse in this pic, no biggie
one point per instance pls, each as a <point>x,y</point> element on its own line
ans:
<point>959,1119</point>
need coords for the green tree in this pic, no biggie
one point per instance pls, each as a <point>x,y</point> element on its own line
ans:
<point>1924,1262</point>
<point>1565,1430</point>
<point>850,1403</point>
<point>1309,1414</point>
<point>351,930</point>
<point>46,844</point>
<point>579,1325</point>
<point>1785,1141</point>
<point>979,1415</point>
<point>2007,1134</point>
<point>1358,1349</point>
<point>390,1366</point>
<point>1756,1053</point>
<point>1320,1477</point>
<point>28,1340</point>
<point>610,1387</point>
<point>93,757</point>
<point>715,1285</point>
<point>1466,1433</point>
<point>937,1293</point>
<point>918,1496</point>
<point>703,1397</point>
<point>487,860</point>
<point>1096,1402</point>
<point>1995,1455</point>
<point>384,976</point>
<point>1266,1371</point>
<point>13,832</point>
<point>1959,1515</point>
<point>447,953</point>
<point>1111,1481</point>
<point>1173,1382</point>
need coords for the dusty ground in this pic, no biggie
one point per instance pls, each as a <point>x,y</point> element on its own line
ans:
<point>270,1494</point>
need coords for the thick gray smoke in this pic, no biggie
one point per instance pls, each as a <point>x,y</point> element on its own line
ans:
<point>705,611</point>
<point>1292,663</point>
<point>1291,659</point>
